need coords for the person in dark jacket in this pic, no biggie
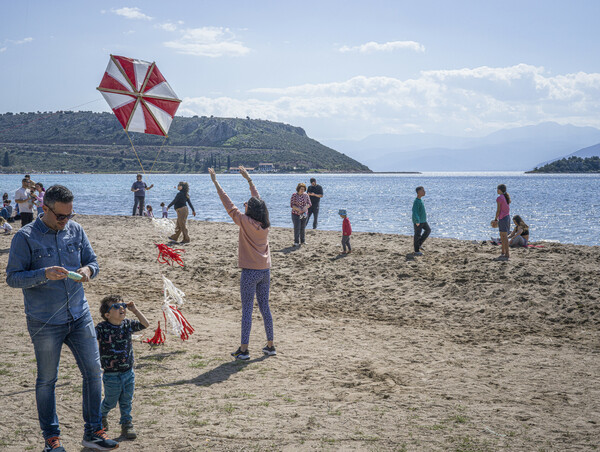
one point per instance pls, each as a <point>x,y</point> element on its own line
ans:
<point>181,199</point>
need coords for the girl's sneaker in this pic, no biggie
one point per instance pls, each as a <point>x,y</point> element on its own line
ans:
<point>269,350</point>
<point>239,354</point>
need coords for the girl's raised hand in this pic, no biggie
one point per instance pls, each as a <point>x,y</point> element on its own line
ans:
<point>244,173</point>
<point>213,176</point>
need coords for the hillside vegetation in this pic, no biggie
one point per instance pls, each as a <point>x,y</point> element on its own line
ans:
<point>571,165</point>
<point>96,142</point>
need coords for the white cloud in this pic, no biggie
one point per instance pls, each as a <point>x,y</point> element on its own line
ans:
<point>3,49</point>
<point>23,41</point>
<point>481,99</point>
<point>131,13</point>
<point>390,46</point>
<point>208,41</point>
<point>167,26</point>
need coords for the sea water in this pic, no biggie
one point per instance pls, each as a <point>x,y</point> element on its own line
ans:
<point>561,207</point>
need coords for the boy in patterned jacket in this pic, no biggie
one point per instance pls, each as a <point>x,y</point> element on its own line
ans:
<point>116,358</point>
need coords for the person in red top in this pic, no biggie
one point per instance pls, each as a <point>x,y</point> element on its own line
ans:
<point>254,258</point>
<point>346,231</point>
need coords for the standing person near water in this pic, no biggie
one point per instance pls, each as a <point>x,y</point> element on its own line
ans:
<point>179,202</point>
<point>300,203</point>
<point>139,189</point>
<point>254,258</point>
<point>503,219</point>
<point>419,218</point>
<point>315,191</point>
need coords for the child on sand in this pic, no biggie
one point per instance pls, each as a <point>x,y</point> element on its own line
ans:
<point>4,226</point>
<point>346,231</point>
<point>165,211</point>
<point>149,213</point>
<point>116,358</point>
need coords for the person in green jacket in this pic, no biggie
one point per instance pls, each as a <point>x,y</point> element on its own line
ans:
<point>419,217</point>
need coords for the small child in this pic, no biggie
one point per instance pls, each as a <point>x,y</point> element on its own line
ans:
<point>165,211</point>
<point>5,226</point>
<point>346,231</point>
<point>116,358</point>
<point>148,213</point>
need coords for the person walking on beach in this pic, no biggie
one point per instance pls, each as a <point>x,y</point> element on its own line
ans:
<point>419,218</point>
<point>315,191</point>
<point>139,189</point>
<point>41,256</point>
<point>300,203</point>
<point>39,187</point>
<point>179,202</point>
<point>346,231</point>
<point>503,219</point>
<point>24,200</point>
<point>254,258</point>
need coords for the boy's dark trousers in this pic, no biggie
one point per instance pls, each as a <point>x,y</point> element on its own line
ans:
<point>313,211</point>
<point>346,242</point>
<point>421,233</point>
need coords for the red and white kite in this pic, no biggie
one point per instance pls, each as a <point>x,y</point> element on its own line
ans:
<point>139,95</point>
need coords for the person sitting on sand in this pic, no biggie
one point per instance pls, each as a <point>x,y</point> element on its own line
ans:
<point>4,226</point>
<point>254,258</point>
<point>346,231</point>
<point>148,213</point>
<point>520,234</point>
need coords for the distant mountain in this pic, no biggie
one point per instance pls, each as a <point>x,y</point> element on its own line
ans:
<point>96,142</point>
<point>590,151</point>
<point>571,164</point>
<point>515,149</point>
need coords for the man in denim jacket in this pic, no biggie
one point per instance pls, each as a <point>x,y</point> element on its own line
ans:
<point>41,256</point>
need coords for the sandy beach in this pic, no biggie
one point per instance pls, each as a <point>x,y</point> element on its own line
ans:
<point>377,350</point>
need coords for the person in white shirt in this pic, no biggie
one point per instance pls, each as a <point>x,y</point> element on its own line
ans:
<point>24,200</point>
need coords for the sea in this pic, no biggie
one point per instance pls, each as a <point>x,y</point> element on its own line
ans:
<point>557,207</point>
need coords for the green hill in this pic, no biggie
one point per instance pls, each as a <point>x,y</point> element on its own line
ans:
<point>571,165</point>
<point>96,142</point>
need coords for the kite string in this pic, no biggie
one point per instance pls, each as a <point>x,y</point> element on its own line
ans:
<point>133,147</point>
<point>159,150</point>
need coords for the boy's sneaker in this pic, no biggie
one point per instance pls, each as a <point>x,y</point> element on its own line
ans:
<point>53,445</point>
<point>128,431</point>
<point>418,253</point>
<point>269,350</point>
<point>105,423</point>
<point>99,441</point>
<point>239,354</point>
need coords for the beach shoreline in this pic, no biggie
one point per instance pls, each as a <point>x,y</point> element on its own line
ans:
<point>377,350</point>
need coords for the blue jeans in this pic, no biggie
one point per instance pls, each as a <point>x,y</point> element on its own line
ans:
<point>118,387</point>
<point>80,337</point>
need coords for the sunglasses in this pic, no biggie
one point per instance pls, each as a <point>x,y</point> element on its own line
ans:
<point>119,306</point>
<point>60,217</point>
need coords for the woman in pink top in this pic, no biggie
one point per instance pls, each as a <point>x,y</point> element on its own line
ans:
<point>503,219</point>
<point>254,258</point>
<point>300,202</point>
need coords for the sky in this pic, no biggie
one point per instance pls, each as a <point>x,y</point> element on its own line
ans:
<point>339,69</point>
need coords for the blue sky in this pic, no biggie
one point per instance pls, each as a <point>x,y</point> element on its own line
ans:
<point>340,69</point>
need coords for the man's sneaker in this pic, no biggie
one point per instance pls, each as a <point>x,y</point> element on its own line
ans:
<point>128,431</point>
<point>53,445</point>
<point>239,354</point>
<point>105,423</point>
<point>296,244</point>
<point>269,350</point>
<point>418,253</point>
<point>99,441</point>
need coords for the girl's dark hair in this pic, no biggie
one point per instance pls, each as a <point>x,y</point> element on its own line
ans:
<point>107,302</point>
<point>502,188</point>
<point>41,185</point>
<point>257,210</point>
<point>185,188</point>
<point>520,221</point>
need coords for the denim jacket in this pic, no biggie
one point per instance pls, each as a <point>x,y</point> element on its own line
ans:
<point>35,247</point>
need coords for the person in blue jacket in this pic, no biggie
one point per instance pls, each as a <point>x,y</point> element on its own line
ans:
<point>419,218</point>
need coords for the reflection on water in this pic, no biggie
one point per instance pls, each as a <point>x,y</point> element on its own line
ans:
<point>563,208</point>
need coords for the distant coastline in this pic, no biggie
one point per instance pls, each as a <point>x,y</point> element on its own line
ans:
<point>571,165</point>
